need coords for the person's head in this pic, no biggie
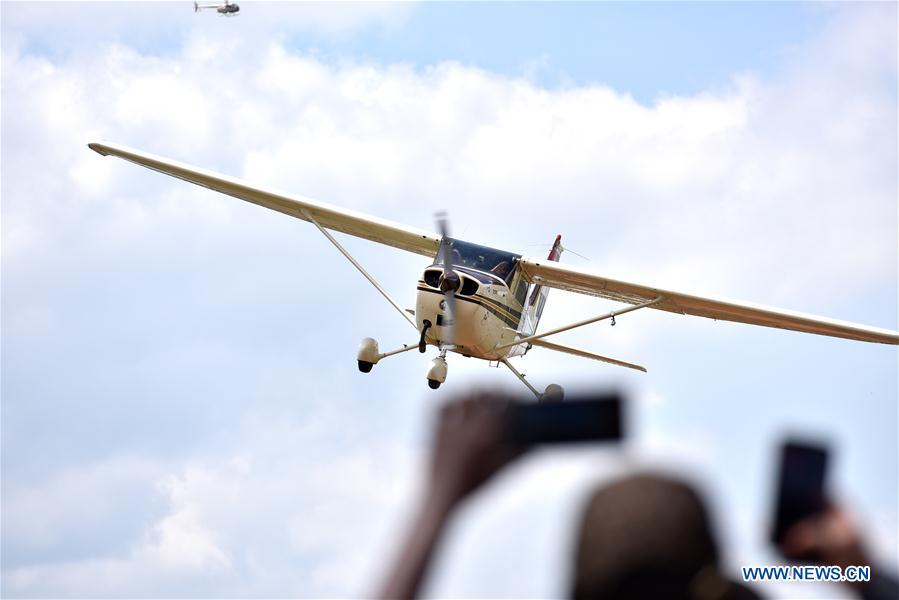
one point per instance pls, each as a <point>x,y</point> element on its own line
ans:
<point>647,536</point>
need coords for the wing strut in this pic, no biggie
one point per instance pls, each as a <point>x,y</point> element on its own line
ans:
<point>362,270</point>
<point>609,315</point>
<point>576,352</point>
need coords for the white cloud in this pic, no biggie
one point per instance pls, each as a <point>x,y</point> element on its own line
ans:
<point>46,513</point>
<point>180,541</point>
<point>728,169</point>
<point>289,515</point>
<point>178,323</point>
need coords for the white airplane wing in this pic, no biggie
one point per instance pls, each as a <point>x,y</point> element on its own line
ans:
<point>551,274</point>
<point>570,278</point>
<point>328,216</point>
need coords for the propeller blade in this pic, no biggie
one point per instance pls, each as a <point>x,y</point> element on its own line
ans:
<point>442,219</point>
<point>449,281</point>
<point>443,253</point>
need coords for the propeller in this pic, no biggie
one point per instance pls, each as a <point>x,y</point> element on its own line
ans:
<point>449,281</point>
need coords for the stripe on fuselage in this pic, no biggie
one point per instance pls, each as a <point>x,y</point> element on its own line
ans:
<point>504,313</point>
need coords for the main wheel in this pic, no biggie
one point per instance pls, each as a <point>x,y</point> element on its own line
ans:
<point>365,366</point>
<point>553,393</point>
<point>433,384</point>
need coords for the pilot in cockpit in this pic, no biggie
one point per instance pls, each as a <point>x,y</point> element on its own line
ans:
<point>501,270</point>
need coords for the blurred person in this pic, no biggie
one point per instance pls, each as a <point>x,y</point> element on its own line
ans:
<point>833,538</point>
<point>642,537</point>
<point>466,451</point>
<point>648,536</point>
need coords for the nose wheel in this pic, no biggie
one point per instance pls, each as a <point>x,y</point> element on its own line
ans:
<point>437,371</point>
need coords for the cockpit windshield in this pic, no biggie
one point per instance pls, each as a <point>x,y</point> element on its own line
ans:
<point>481,258</point>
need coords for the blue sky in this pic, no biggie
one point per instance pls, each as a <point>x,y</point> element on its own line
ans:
<point>182,415</point>
<point>646,50</point>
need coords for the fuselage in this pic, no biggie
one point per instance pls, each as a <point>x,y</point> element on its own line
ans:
<point>490,303</point>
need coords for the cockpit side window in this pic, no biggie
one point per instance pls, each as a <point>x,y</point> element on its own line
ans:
<point>521,291</point>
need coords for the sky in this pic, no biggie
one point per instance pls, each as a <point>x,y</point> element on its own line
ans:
<point>182,415</point>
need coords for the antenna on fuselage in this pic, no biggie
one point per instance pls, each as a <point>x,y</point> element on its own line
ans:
<point>565,248</point>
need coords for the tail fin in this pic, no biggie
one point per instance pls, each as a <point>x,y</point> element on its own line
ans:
<point>537,297</point>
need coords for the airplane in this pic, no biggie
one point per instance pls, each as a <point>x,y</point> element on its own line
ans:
<point>228,8</point>
<point>483,302</point>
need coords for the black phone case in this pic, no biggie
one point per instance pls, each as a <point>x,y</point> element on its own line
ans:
<point>578,420</point>
<point>800,492</point>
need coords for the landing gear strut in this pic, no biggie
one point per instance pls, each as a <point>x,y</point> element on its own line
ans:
<point>552,393</point>
<point>421,341</point>
<point>368,355</point>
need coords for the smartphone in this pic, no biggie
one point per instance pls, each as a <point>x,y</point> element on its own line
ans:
<point>800,490</point>
<point>586,418</point>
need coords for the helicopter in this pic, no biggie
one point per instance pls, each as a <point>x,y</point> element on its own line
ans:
<point>484,302</point>
<point>228,9</point>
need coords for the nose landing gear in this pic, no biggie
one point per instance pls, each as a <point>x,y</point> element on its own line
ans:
<point>437,371</point>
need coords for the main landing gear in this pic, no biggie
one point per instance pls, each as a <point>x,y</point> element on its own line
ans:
<point>368,356</point>
<point>552,393</point>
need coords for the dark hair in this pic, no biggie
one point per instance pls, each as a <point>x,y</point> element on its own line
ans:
<point>648,536</point>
